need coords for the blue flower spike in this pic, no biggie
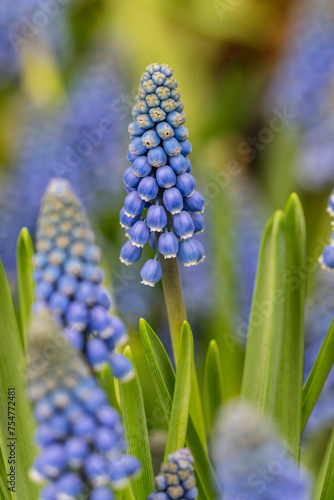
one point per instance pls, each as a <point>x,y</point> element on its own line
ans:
<point>162,203</point>
<point>176,480</point>
<point>68,277</point>
<point>244,447</point>
<point>80,437</point>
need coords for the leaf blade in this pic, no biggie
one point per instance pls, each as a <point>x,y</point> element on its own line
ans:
<point>181,397</point>
<point>164,378</point>
<point>318,375</point>
<point>12,368</point>
<point>24,253</point>
<point>290,381</point>
<point>213,384</point>
<point>263,349</point>
<point>136,433</point>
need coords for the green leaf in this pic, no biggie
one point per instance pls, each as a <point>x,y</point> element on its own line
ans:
<point>12,367</point>
<point>24,253</point>
<point>107,383</point>
<point>325,480</point>
<point>180,408</point>
<point>134,420</point>
<point>163,377</point>
<point>290,380</point>
<point>318,376</point>
<point>213,384</point>
<point>262,362</point>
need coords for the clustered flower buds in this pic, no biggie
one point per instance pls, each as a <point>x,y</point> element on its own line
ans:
<point>80,435</point>
<point>176,480</point>
<point>69,280</point>
<point>251,461</point>
<point>327,258</point>
<point>162,207</point>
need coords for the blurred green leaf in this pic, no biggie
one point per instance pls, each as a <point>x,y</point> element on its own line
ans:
<point>325,479</point>
<point>213,384</point>
<point>134,420</point>
<point>262,363</point>
<point>12,368</point>
<point>180,408</point>
<point>318,376</point>
<point>164,379</point>
<point>290,380</point>
<point>25,252</point>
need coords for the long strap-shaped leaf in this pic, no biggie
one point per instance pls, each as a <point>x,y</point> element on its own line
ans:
<point>180,408</point>
<point>12,376</point>
<point>136,433</point>
<point>213,384</point>
<point>325,480</point>
<point>318,376</point>
<point>274,355</point>
<point>290,379</point>
<point>262,362</point>
<point>25,253</point>
<point>163,377</point>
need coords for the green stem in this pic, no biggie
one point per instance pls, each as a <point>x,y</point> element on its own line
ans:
<point>176,311</point>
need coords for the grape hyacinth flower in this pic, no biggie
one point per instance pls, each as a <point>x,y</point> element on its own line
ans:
<point>80,436</point>
<point>69,280</point>
<point>176,480</point>
<point>251,462</point>
<point>162,207</point>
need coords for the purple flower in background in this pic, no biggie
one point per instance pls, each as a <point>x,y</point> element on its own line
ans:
<point>249,222</point>
<point>81,143</point>
<point>303,86</point>
<point>250,460</point>
<point>80,436</point>
<point>23,23</point>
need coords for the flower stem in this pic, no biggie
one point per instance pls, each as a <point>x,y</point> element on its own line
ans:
<point>176,311</point>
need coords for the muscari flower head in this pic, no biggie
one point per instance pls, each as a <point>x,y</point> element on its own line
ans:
<point>80,436</point>
<point>176,480</point>
<point>250,461</point>
<point>162,207</point>
<point>69,280</point>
